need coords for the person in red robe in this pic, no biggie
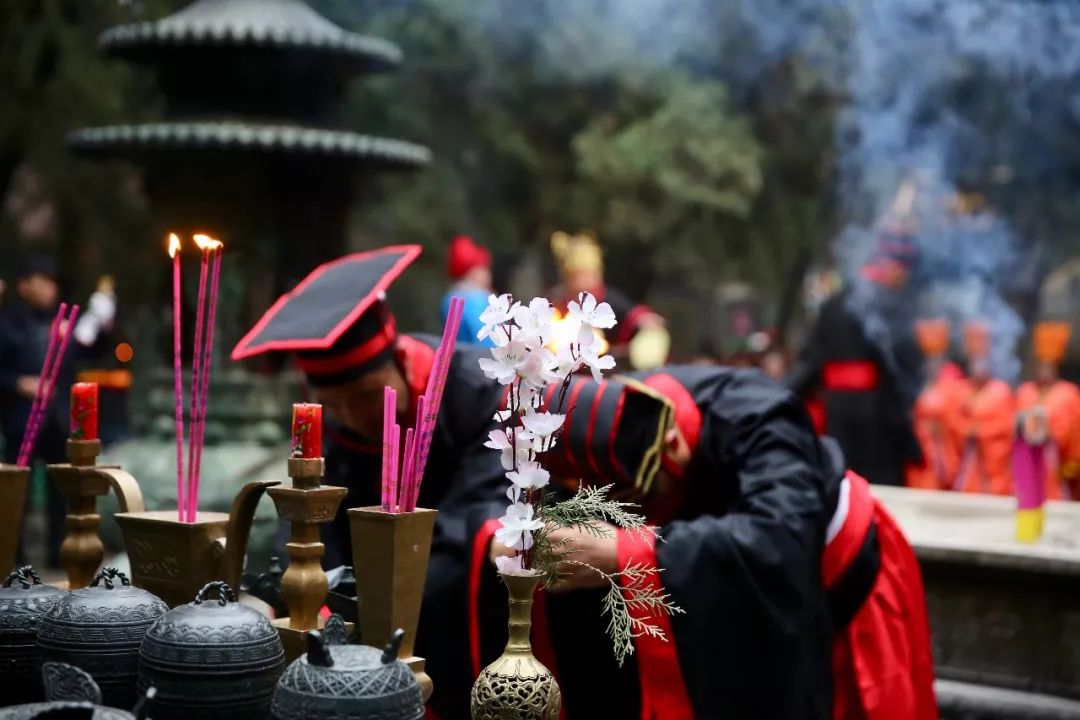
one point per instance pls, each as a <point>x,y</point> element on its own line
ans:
<point>941,456</point>
<point>983,421</point>
<point>802,598</point>
<point>1049,412</point>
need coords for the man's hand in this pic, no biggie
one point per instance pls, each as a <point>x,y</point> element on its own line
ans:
<point>27,386</point>
<point>597,548</point>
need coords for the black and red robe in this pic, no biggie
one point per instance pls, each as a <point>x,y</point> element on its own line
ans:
<point>783,563</point>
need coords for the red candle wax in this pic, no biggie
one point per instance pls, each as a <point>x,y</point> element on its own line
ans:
<point>307,430</point>
<point>84,411</point>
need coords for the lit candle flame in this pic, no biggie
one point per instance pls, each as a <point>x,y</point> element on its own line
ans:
<point>174,244</point>
<point>205,242</point>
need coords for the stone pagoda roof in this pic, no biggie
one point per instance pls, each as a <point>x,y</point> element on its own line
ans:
<point>281,24</point>
<point>250,137</point>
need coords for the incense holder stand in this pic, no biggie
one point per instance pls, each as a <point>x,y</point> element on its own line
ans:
<point>175,559</point>
<point>14,480</point>
<point>390,560</point>
<point>82,481</point>
<point>305,504</point>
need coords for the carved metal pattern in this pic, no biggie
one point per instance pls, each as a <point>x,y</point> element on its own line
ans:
<point>67,682</point>
<point>355,685</point>
<point>334,632</point>
<point>528,696</point>
<point>67,709</point>
<point>211,658</point>
<point>128,614</point>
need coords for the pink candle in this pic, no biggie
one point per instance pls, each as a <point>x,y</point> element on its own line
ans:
<point>178,374</point>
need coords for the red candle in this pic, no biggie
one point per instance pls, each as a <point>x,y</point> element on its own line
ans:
<point>307,430</point>
<point>84,411</point>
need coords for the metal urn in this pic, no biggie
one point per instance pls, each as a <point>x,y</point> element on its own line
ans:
<point>211,659</point>
<point>72,694</point>
<point>347,682</point>
<point>99,629</point>
<point>23,602</point>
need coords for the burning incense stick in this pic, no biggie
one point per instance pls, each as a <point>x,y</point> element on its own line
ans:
<point>408,478</point>
<point>178,374</point>
<point>214,248</point>
<point>50,350</point>
<point>196,367</point>
<point>408,460</point>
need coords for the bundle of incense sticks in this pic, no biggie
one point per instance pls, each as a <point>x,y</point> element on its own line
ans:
<point>187,496</point>
<point>59,335</point>
<point>400,493</point>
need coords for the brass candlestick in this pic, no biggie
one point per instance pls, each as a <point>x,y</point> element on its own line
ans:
<point>390,560</point>
<point>82,481</point>
<point>306,504</point>
<point>14,480</point>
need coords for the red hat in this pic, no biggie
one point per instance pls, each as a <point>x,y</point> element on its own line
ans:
<point>465,255</point>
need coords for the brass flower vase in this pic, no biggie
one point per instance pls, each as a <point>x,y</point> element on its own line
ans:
<point>517,686</point>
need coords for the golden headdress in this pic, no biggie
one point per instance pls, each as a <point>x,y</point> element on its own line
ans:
<point>578,252</point>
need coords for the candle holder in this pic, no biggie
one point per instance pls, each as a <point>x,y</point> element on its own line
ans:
<point>390,560</point>
<point>174,559</point>
<point>306,505</point>
<point>81,480</point>
<point>14,479</point>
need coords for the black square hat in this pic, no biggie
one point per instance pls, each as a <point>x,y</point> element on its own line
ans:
<point>614,433</point>
<point>336,319</point>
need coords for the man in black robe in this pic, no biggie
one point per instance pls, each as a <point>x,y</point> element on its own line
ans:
<point>862,358</point>
<point>344,337</point>
<point>784,565</point>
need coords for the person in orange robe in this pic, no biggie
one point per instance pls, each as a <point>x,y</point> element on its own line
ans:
<point>941,454</point>
<point>983,426</point>
<point>1049,412</point>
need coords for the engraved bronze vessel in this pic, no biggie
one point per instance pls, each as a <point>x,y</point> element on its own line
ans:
<point>99,629</point>
<point>517,685</point>
<point>23,602</point>
<point>347,682</point>
<point>212,659</point>
<point>72,694</point>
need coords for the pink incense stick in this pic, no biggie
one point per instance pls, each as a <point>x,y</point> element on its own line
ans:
<point>409,479</point>
<point>196,366</point>
<point>395,448</point>
<point>406,468</point>
<point>178,376</point>
<point>204,391</point>
<point>50,349</point>
<point>389,401</point>
<point>436,387</point>
<point>58,361</point>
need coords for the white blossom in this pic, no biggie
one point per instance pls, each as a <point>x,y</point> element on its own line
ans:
<point>596,363</point>
<point>498,311</point>
<point>535,320</point>
<point>506,362</point>
<point>542,424</point>
<point>511,565</point>
<point>589,312</point>
<point>529,475</point>
<point>506,442</point>
<point>517,526</point>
